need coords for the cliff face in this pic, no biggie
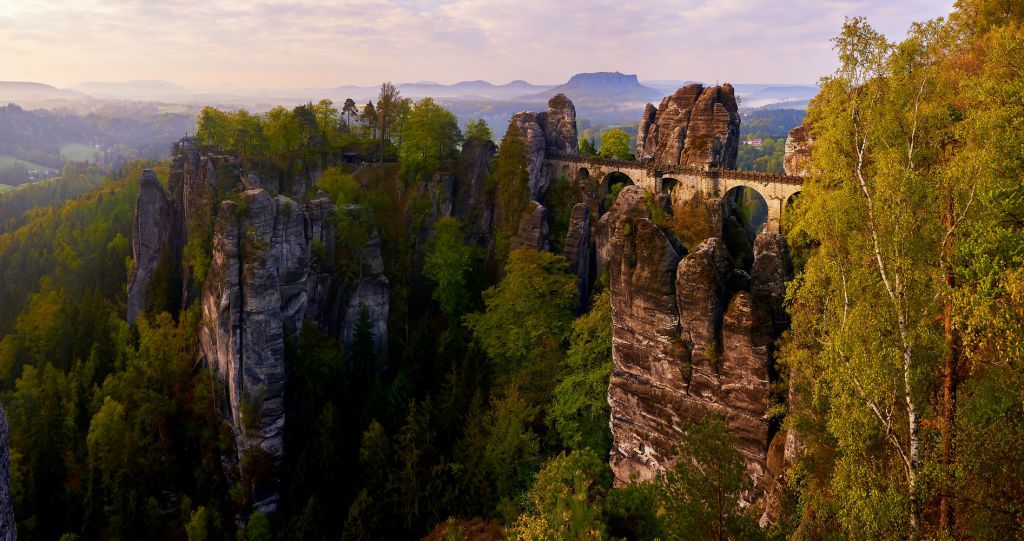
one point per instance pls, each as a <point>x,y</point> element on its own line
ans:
<point>552,132</point>
<point>8,528</point>
<point>695,126</point>
<point>151,239</point>
<point>691,337</point>
<point>470,203</point>
<point>272,268</point>
<point>798,150</point>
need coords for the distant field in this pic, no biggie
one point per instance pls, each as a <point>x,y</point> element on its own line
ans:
<point>7,160</point>
<point>5,188</point>
<point>74,152</point>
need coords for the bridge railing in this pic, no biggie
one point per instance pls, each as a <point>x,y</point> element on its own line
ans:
<point>661,170</point>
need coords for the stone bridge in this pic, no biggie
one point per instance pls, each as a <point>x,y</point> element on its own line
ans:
<point>681,183</point>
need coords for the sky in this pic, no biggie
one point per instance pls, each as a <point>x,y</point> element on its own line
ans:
<point>214,44</point>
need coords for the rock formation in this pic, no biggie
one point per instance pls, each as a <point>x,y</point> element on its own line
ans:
<point>798,150</point>
<point>695,126</point>
<point>470,203</point>
<point>691,337</point>
<point>645,339</point>
<point>533,139</point>
<point>559,126</point>
<point>255,293</point>
<point>272,268</point>
<point>151,239</point>
<point>577,248</point>
<point>371,293</point>
<point>8,528</point>
<point>533,227</point>
<point>545,134</point>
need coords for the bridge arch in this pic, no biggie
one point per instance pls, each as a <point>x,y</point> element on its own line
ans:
<point>611,185</point>
<point>582,176</point>
<point>667,184</point>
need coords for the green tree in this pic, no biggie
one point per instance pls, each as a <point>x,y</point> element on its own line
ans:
<point>615,145</point>
<point>283,130</point>
<point>587,148</point>
<point>566,499</point>
<point>389,104</point>
<point>478,128</point>
<point>533,303</point>
<point>512,454</point>
<point>580,409</point>
<point>430,138</point>
<point>449,262</point>
<point>867,309</point>
<point>700,495</point>
<point>368,116</point>
<point>349,110</point>
<point>508,185</point>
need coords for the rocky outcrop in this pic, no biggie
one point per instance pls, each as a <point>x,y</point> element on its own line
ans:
<point>532,135</point>
<point>470,204</point>
<point>544,134</point>
<point>798,150</point>
<point>255,294</point>
<point>8,528</point>
<point>577,248</point>
<point>151,239</point>
<point>533,227</point>
<point>645,339</point>
<point>695,126</point>
<point>768,276</point>
<point>744,385</point>
<point>559,126</point>
<point>370,299</point>
<point>701,297</point>
<point>274,264</point>
<point>691,337</point>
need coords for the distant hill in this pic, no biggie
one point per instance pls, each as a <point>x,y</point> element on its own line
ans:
<point>601,87</point>
<point>133,89</point>
<point>18,91</point>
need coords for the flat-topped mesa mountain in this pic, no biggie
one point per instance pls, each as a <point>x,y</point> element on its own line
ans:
<point>258,249</point>
<point>602,86</point>
<point>695,126</point>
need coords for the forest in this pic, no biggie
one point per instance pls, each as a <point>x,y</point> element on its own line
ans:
<point>902,367</point>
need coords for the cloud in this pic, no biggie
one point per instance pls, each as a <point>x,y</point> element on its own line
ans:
<point>306,43</point>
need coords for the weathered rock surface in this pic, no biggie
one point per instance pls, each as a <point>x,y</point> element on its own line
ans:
<point>151,239</point>
<point>702,294</point>
<point>371,293</point>
<point>695,126</point>
<point>743,395</point>
<point>768,276</point>
<point>577,248</point>
<point>645,339</point>
<point>552,132</point>
<point>254,294</point>
<point>688,341</point>
<point>533,227</point>
<point>471,204</point>
<point>798,150</point>
<point>533,139</point>
<point>8,528</point>
<point>271,269</point>
<point>559,125</point>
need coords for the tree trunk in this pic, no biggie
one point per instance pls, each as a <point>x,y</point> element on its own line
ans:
<point>950,382</point>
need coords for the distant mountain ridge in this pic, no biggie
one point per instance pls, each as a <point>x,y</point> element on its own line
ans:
<point>13,91</point>
<point>602,86</point>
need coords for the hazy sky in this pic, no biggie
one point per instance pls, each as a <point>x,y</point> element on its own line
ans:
<point>320,43</point>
